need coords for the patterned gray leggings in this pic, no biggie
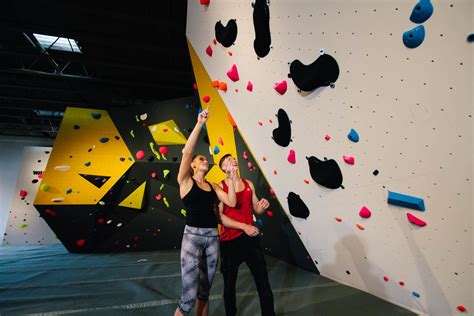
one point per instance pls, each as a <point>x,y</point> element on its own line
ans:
<point>199,255</point>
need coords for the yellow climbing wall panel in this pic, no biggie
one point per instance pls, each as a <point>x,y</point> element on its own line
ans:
<point>135,199</point>
<point>167,133</point>
<point>78,149</point>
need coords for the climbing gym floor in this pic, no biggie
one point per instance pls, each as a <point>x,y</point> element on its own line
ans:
<point>47,280</point>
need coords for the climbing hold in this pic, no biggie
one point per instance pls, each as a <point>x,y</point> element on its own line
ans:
<point>150,158</point>
<point>275,172</point>
<point>220,141</point>
<point>365,212</point>
<point>163,150</point>
<point>259,222</point>
<point>62,168</point>
<point>76,127</point>
<point>249,164</point>
<point>249,86</point>
<point>233,74</point>
<point>166,202</point>
<point>226,35</point>
<point>361,227</point>
<point>162,186</point>
<point>415,294</point>
<point>183,212</point>
<point>322,72</point>
<point>204,2</point>
<point>153,175</point>
<point>23,193</point>
<point>57,200</point>
<point>401,283</point>
<point>216,150</point>
<point>376,172</point>
<point>269,213</point>
<point>245,155</point>
<point>230,53</point>
<point>264,158</point>
<point>281,87</point>
<point>140,155</point>
<point>270,121</point>
<point>338,219</point>
<point>353,136</point>
<point>103,140</point>
<point>292,157</point>
<point>415,220</point>
<point>327,137</point>
<point>414,37</point>
<point>385,278</point>
<point>306,181</point>
<point>215,84</point>
<point>282,134</point>
<point>80,242</point>
<point>50,213</point>
<point>158,197</point>
<point>222,86</point>
<point>260,123</point>
<point>195,87</point>
<point>109,222</point>
<point>152,147</point>
<point>261,24</point>
<point>231,120</point>
<point>206,99</point>
<point>96,115</point>
<point>326,173</point>
<point>166,172</point>
<point>297,207</point>
<point>87,164</point>
<point>68,191</point>
<point>236,90</point>
<point>187,106</point>
<point>143,116</point>
<point>119,225</point>
<point>461,308</point>
<point>405,201</point>
<point>470,38</point>
<point>209,51</point>
<point>214,41</point>
<point>349,159</point>
<point>23,225</point>
<point>132,133</point>
<point>44,187</point>
<point>421,12</point>
<point>272,192</point>
<point>101,203</point>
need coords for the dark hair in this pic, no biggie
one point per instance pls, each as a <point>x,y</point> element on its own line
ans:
<point>222,159</point>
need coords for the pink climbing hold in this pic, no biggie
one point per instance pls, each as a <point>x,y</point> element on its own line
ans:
<point>249,86</point>
<point>249,164</point>
<point>245,155</point>
<point>158,197</point>
<point>163,150</point>
<point>272,192</point>
<point>292,157</point>
<point>365,212</point>
<point>385,278</point>
<point>206,99</point>
<point>327,137</point>
<point>209,51</point>
<point>153,175</point>
<point>195,86</point>
<point>140,155</point>
<point>275,172</point>
<point>349,159</point>
<point>233,74</point>
<point>23,193</point>
<point>270,213</point>
<point>281,87</point>
<point>415,220</point>
<point>80,242</point>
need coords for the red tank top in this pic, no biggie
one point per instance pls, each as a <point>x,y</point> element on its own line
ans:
<point>242,212</point>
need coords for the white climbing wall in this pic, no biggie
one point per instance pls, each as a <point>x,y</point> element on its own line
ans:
<point>25,226</point>
<point>413,111</point>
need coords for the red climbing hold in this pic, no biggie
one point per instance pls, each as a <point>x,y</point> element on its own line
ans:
<point>365,212</point>
<point>206,98</point>
<point>23,193</point>
<point>264,158</point>
<point>292,157</point>
<point>163,150</point>
<point>401,283</point>
<point>275,172</point>
<point>462,308</point>
<point>80,242</point>
<point>272,192</point>
<point>249,86</point>
<point>233,74</point>
<point>49,212</point>
<point>214,41</point>
<point>269,213</point>
<point>100,221</point>
<point>204,2</point>
<point>338,219</point>
<point>349,159</point>
<point>221,142</point>
<point>230,53</point>
<point>281,87</point>
<point>306,181</point>
<point>260,123</point>
<point>195,86</point>
<point>209,51</point>
<point>415,220</point>
<point>158,197</point>
<point>385,278</point>
<point>327,137</point>
<point>140,155</point>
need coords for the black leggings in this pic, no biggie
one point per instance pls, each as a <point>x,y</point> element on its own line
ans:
<point>233,253</point>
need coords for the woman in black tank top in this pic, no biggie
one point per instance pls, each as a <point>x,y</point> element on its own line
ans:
<point>200,246</point>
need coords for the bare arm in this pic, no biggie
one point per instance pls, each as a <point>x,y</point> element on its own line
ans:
<point>183,173</point>
<point>228,198</point>
<point>259,206</point>
<point>232,223</point>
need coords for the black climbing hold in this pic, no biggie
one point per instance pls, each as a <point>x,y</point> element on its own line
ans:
<point>297,207</point>
<point>117,137</point>
<point>175,159</point>
<point>322,72</point>
<point>376,172</point>
<point>261,24</point>
<point>326,173</point>
<point>150,158</point>
<point>282,134</point>
<point>76,127</point>
<point>470,38</point>
<point>226,35</point>
<point>34,181</point>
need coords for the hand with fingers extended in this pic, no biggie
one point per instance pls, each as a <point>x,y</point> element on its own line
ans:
<point>203,116</point>
<point>251,231</point>
<point>262,205</point>
<point>231,173</point>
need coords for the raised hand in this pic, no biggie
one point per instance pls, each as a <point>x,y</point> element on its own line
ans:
<point>203,116</point>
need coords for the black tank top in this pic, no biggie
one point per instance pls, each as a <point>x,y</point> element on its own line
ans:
<point>200,206</point>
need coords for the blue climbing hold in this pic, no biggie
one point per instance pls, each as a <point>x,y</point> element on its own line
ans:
<point>104,140</point>
<point>415,294</point>
<point>470,38</point>
<point>187,106</point>
<point>69,191</point>
<point>216,150</point>
<point>422,11</point>
<point>353,136</point>
<point>414,37</point>
<point>96,115</point>
<point>87,164</point>
<point>406,201</point>
<point>259,222</point>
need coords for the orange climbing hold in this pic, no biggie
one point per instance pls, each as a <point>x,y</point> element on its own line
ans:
<point>222,86</point>
<point>215,84</point>
<point>361,227</point>
<point>306,181</point>
<point>338,219</point>
<point>231,120</point>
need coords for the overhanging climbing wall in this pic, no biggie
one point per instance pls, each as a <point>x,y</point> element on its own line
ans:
<point>390,112</point>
